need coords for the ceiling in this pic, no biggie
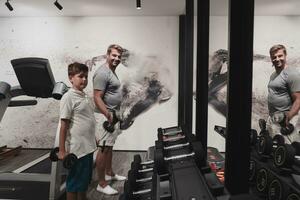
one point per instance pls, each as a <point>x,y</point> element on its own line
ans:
<point>27,8</point>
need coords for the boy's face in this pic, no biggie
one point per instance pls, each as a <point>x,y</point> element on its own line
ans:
<point>79,81</point>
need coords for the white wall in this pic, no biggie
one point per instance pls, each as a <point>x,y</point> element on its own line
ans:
<point>64,40</point>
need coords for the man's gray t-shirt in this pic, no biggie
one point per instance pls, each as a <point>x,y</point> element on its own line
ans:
<point>280,88</point>
<point>105,79</point>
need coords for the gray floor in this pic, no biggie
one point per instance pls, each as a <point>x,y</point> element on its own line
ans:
<point>121,165</point>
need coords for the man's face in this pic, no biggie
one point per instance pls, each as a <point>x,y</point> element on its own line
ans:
<point>114,58</point>
<point>278,59</point>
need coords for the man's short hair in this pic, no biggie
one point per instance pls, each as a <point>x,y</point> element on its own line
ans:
<point>114,46</point>
<point>77,68</point>
<point>276,48</point>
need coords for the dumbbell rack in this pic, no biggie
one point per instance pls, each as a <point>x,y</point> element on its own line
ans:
<point>271,182</point>
<point>266,180</point>
<point>181,174</point>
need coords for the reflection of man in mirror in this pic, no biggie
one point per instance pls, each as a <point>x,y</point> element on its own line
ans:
<point>283,96</point>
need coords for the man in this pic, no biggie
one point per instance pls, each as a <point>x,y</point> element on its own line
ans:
<point>107,98</point>
<point>283,95</point>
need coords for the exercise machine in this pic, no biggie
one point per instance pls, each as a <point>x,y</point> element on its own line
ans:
<point>39,178</point>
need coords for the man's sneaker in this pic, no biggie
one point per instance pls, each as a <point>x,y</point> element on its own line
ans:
<point>116,177</point>
<point>107,190</point>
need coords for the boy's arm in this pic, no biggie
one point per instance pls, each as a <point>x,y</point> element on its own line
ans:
<point>98,95</point>
<point>64,126</point>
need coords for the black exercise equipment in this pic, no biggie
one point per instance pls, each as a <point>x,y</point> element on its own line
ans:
<point>4,90</point>
<point>137,159</point>
<point>262,124</point>
<point>266,144</point>
<point>137,163</point>
<point>280,118</point>
<point>39,70</point>
<point>272,182</point>
<point>59,90</point>
<point>287,155</point>
<point>138,181</point>
<point>110,127</point>
<point>275,190</point>
<point>222,131</point>
<point>287,130</point>
<point>68,161</point>
<point>253,137</point>
<point>137,189</point>
<point>293,196</point>
<point>41,177</point>
<point>187,181</point>
<point>171,136</point>
<point>262,180</point>
<point>194,150</point>
<point>168,132</point>
<point>4,97</point>
<point>214,184</point>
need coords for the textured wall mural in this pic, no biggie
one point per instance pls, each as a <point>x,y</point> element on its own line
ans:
<point>148,72</point>
<point>143,84</point>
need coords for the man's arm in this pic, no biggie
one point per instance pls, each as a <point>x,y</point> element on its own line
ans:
<point>295,107</point>
<point>64,126</point>
<point>98,95</point>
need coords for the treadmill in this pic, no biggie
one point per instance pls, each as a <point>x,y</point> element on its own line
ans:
<point>40,178</point>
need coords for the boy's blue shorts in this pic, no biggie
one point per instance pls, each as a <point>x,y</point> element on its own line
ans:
<point>80,175</point>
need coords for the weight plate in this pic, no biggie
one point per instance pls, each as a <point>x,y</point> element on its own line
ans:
<point>275,190</point>
<point>265,145</point>
<point>69,161</point>
<point>279,156</point>
<point>284,155</point>
<point>293,196</point>
<point>261,180</point>
<point>53,154</point>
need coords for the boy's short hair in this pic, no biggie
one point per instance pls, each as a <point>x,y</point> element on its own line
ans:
<point>276,48</point>
<point>76,68</point>
<point>114,46</point>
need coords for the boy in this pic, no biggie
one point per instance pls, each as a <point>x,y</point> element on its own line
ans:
<point>77,132</point>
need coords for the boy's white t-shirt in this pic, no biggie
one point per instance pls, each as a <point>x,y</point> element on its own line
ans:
<point>79,109</point>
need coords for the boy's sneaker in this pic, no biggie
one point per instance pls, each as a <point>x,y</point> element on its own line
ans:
<point>116,177</point>
<point>107,190</point>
